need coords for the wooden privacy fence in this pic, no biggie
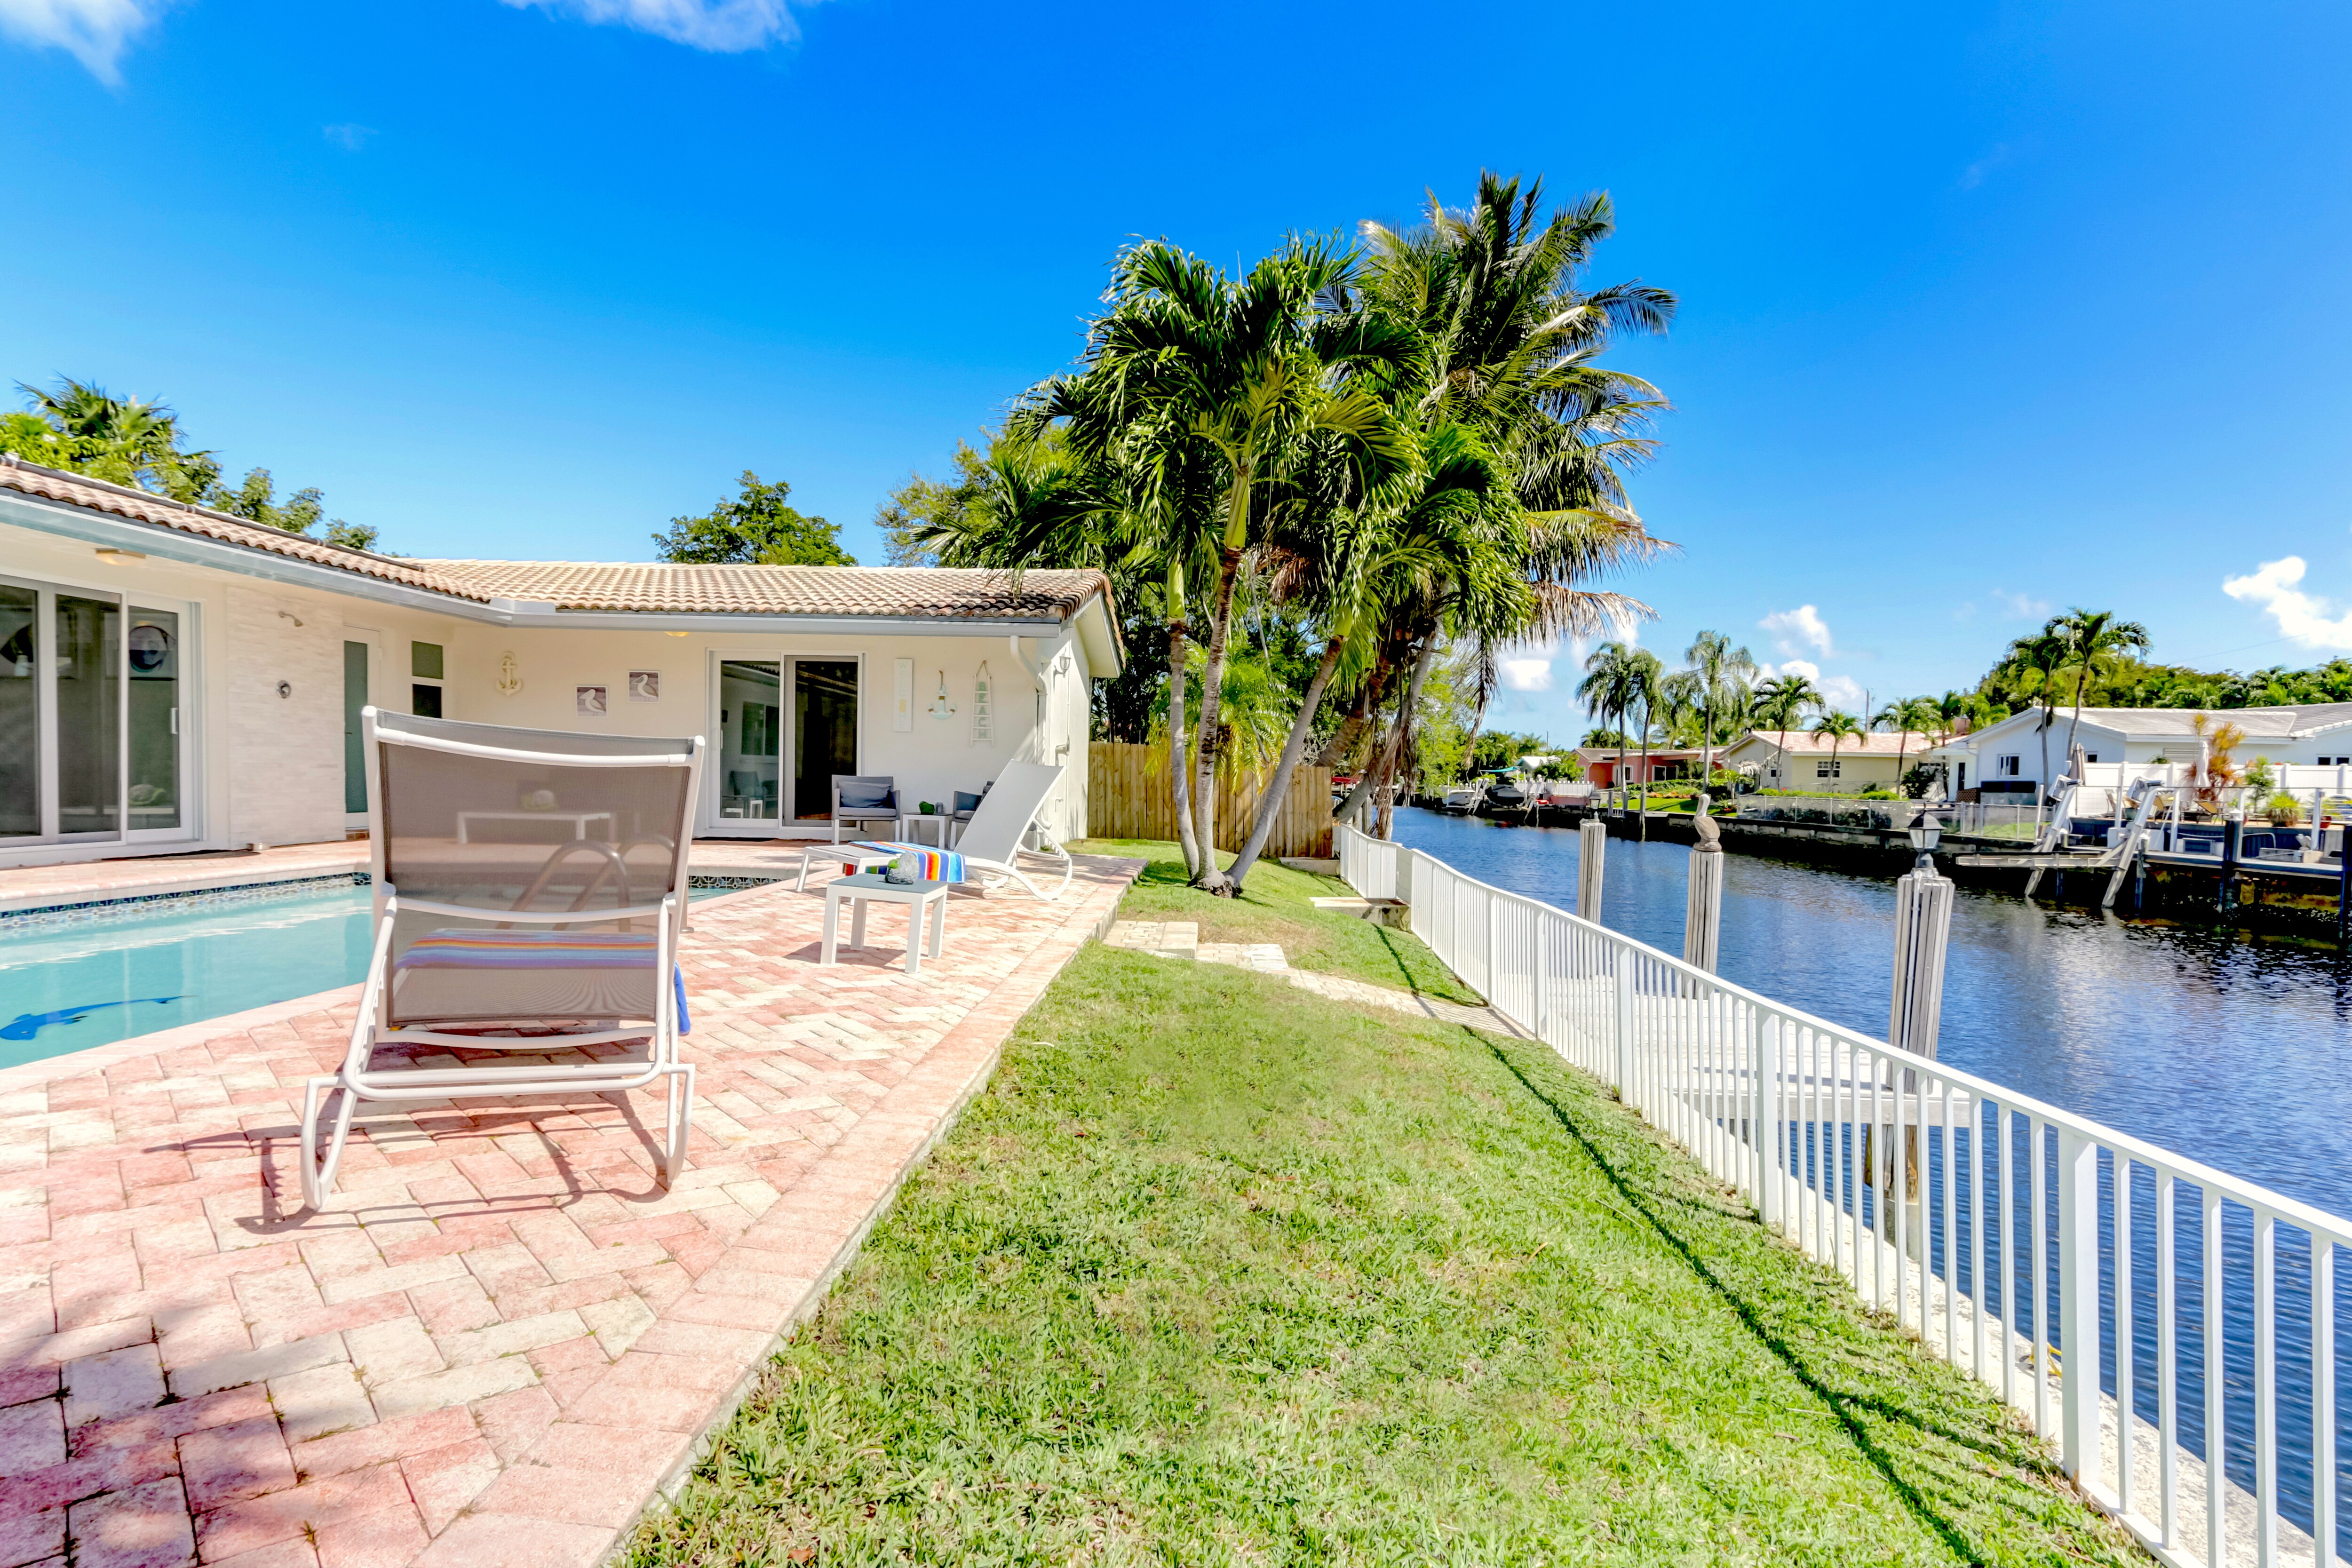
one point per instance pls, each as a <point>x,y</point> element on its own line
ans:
<point>1128,798</point>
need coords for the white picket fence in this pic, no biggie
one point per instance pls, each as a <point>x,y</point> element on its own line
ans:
<point>2011,1248</point>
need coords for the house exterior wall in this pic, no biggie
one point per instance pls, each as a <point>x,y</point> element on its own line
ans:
<point>1857,771</point>
<point>261,767</point>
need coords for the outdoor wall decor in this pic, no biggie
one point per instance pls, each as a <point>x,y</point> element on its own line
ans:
<point>645,686</point>
<point>902,694</point>
<point>589,700</point>
<point>941,709</point>
<point>984,708</point>
<point>509,675</point>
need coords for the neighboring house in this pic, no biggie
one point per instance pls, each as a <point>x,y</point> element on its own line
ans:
<point>174,678</point>
<point>1601,765</point>
<point>1798,762</point>
<point>2006,758</point>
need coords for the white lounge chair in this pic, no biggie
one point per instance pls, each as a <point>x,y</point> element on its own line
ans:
<point>579,935</point>
<point>1001,824</point>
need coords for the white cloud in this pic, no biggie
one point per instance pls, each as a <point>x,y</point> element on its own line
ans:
<point>1802,627</point>
<point>1839,691</point>
<point>94,32</point>
<point>350,137</point>
<point>724,26</point>
<point>2274,585</point>
<point>2022,606</point>
<point>1525,674</point>
<point>1844,691</point>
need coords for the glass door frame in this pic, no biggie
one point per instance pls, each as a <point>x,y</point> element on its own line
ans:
<point>45,682</point>
<point>711,824</point>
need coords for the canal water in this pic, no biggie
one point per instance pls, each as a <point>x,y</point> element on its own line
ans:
<point>2234,1051</point>
<point>2231,1049</point>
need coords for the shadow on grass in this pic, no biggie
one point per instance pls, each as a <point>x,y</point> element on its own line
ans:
<point>1846,1408</point>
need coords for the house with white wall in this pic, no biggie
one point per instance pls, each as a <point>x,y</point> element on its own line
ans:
<point>1796,760</point>
<point>175,680</point>
<point>2006,758</point>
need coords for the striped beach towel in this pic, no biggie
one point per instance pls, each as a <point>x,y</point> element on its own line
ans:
<point>921,861</point>
<point>480,949</point>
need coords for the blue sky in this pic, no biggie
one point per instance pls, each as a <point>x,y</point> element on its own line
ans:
<point>1985,311</point>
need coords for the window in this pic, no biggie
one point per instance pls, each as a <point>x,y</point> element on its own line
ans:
<point>1828,767</point>
<point>2089,757</point>
<point>2005,767</point>
<point>424,666</point>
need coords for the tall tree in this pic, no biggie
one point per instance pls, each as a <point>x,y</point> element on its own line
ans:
<point>2038,660</point>
<point>1836,727</point>
<point>1780,701</point>
<point>1719,677</point>
<point>756,528</point>
<point>2092,638</point>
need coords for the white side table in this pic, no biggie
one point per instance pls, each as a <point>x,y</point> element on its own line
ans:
<point>849,855</point>
<point>868,887</point>
<point>579,820</point>
<point>914,819</point>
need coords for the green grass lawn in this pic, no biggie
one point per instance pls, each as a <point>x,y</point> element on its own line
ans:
<point>1275,908</point>
<point>1217,1271</point>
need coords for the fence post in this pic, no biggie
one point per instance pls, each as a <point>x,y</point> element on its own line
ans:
<point>1764,1062</point>
<point>2078,1303</point>
<point>1591,862</point>
<point>1703,906</point>
<point>1494,942</point>
<point>1620,970</point>
<point>1541,966</point>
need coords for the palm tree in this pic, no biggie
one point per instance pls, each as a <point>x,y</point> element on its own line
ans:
<point>1502,341</point>
<point>2092,638</point>
<point>1216,394</point>
<point>1906,716</point>
<point>1836,727</point>
<point>2037,660</point>
<point>1782,701</point>
<point>1720,674</point>
<point>1611,688</point>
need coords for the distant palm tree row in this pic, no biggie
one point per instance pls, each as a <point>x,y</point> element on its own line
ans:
<point>1402,446</point>
<point>1714,698</point>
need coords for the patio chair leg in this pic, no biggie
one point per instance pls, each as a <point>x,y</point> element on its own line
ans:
<point>678,1118</point>
<point>319,1177</point>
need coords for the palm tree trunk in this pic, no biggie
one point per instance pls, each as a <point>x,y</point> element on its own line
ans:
<point>1335,750</point>
<point>1643,834</point>
<point>1401,750</point>
<point>1208,878</point>
<point>1269,801</point>
<point>2076,722</point>
<point>1470,749</point>
<point>1180,780</point>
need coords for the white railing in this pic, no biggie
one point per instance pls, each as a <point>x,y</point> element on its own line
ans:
<point>2011,1247</point>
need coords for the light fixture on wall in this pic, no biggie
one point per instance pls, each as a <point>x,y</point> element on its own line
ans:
<point>673,634</point>
<point>114,557</point>
<point>941,709</point>
<point>289,616</point>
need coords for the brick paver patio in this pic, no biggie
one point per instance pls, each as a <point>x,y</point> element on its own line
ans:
<point>503,1337</point>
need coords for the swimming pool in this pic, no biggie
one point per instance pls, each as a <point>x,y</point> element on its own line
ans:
<point>91,976</point>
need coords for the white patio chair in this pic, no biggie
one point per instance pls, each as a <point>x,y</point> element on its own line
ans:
<point>579,936</point>
<point>1001,824</point>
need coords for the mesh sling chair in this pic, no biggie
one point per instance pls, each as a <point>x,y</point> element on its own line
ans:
<point>993,840</point>
<point>578,936</point>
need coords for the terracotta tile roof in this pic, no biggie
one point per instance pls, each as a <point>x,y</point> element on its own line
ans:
<point>97,495</point>
<point>925,593</point>
<point>1876,743</point>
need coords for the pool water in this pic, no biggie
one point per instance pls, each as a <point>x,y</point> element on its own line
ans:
<point>93,977</point>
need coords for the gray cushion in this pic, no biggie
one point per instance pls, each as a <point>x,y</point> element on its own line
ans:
<point>867,795</point>
<point>966,800</point>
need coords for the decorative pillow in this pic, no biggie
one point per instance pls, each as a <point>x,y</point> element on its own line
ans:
<point>866,795</point>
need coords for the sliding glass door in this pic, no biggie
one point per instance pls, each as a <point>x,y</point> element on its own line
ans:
<point>91,738</point>
<point>785,727</point>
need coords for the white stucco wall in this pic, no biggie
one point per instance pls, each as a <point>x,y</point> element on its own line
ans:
<point>266,768</point>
